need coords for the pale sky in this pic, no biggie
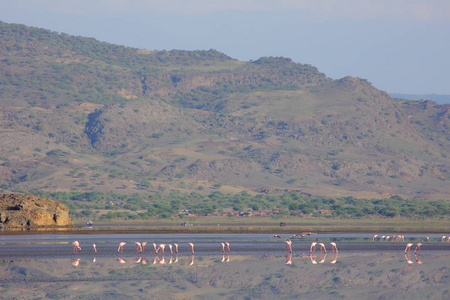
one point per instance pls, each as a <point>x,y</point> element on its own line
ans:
<point>401,46</point>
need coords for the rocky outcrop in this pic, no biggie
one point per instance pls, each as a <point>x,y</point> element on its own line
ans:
<point>20,210</point>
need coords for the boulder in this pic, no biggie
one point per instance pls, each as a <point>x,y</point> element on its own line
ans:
<point>21,210</point>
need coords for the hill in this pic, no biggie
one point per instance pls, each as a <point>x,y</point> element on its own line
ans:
<point>82,115</point>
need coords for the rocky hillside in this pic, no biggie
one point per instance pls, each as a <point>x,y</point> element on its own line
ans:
<point>20,210</point>
<point>81,115</point>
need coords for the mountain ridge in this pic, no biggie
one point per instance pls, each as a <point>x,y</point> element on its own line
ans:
<point>78,114</point>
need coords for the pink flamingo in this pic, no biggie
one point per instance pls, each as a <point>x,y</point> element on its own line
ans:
<point>374,239</point>
<point>382,238</point>
<point>170,248</point>
<point>95,247</point>
<point>191,246</point>
<point>138,247</point>
<point>144,244</point>
<point>333,247</point>
<point>175,245</point>
<point>312,249</point>
<point>76,246</point>
<point>417,249</point>
<point>161,248</point>
<point>322,248</point>
<point>227,247</point>
<point>443,239</point>
<point>120,249</point>
<point>428,239</point>
<point>155,250</point>
<point>223,247</point>
<point>408,247</point>
<point>288,247</point>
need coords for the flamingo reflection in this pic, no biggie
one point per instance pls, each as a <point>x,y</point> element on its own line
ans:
<point>334,257</point>
<point>76,262</point>
<point>288,259</point>
<point>122,261</point>
<point>408,258</point>
<point>322,258</point>
<point>191,262</point>
<point>417,257</point>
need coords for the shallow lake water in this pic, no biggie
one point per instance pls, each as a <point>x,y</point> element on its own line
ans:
<point>257,267</point>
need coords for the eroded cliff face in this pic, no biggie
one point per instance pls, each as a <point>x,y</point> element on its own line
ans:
<point>20,210</point>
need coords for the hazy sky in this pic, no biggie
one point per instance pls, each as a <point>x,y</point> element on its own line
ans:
<point>400,46</point>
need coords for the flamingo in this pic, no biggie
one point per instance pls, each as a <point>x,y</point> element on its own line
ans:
<point>155,250</point>
<point>443,239</point>
<point>408,247</point>
<point>322,248</point>
<point>374,239</point>
<point>382,238</point>
<point>120,249</point>
<point>288,247</point>
<point>95,247</point>
<point>333,247</point>
<point>312,249</point>
<point>276,236</point>
<point>191,246</point>
<point>170,248</point>
<point>144,244</point>
<point>76,246</point>
<point>176,247</point>
<point>161,248</point>
<point>227,247</point>
<point>428,239</point>
<point>417,249</point>
<point>448,239</point>
<point>223,247</point>
<point>138,247</point>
